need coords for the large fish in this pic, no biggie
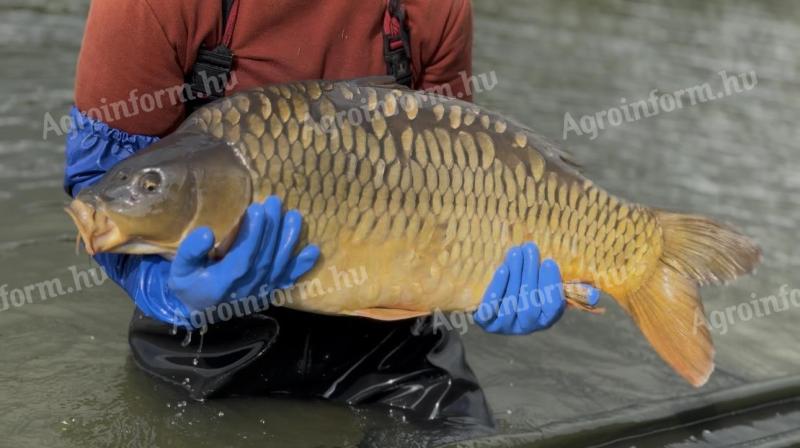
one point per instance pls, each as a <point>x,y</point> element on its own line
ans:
<point>422,193</point>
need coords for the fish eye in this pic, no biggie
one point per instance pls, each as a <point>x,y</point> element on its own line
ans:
<point>150,181</point>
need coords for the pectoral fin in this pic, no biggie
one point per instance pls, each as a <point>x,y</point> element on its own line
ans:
<point>577,296</point>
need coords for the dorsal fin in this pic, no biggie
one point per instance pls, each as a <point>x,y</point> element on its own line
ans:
<point>384,81</point>
<point>550,149</point>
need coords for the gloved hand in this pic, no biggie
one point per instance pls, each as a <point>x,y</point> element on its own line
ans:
<point>259,261</point>
<point>524,297</point>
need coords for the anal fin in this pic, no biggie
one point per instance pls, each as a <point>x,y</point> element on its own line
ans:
<point>388,314</point>
<point>577,296</point>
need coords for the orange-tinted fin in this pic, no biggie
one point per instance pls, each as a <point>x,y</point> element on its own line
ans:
<point>577,296</point>
<point>388,314</point>
<point>224,245</point>
<point>705,251</point>
<point>667,306</point>
<point>668,311</point>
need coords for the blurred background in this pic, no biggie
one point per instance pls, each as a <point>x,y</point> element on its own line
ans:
<point>66,378</point>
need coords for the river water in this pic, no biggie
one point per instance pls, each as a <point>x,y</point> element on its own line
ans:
<point>66,377</point>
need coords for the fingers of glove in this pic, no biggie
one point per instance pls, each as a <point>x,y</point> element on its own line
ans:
<point>593,294</point>
<point>192,253</point>
<point>530,267</point>
<point>239,260</point>
<point>506,316</point>
<point>487,310</point>
<point>299,265</point>
<point>550,284</point>
<point>506,311</point>
<point>287,240</point>
<point>259,273</point>
<point>529,305</point>
<point>582,294</point>
<point>514,263</point>
<point>265,257</point>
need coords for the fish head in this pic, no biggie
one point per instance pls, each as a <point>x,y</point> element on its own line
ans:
<point>149,202</point>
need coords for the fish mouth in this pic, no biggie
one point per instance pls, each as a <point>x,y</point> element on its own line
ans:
<point>98,232</point>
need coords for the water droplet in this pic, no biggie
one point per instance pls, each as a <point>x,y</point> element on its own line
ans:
<point>187,339</point>
<point>262,421</point>
<point>196,359</point>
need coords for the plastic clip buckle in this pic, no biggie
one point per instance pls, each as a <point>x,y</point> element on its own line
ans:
<point>210,72</point>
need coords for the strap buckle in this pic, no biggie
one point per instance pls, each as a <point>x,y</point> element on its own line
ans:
<point>210,73</point>
<point>397,46</point>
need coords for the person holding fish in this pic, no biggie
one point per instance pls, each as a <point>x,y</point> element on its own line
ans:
<point>134,54</point>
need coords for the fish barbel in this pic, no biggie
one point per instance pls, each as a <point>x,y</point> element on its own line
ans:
<point>423,195</point>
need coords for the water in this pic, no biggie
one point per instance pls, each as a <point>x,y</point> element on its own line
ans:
<point>66,378</point>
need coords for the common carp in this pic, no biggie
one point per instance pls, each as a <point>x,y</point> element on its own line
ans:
<point>425,194</point>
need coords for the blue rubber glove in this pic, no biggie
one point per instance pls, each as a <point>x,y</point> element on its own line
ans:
<point>93,147</point>
<point>179,291</point>
<point>523,296</point>
<point>259,260</point>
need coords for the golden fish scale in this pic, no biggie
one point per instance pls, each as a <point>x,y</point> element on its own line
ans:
<point>425,194</point>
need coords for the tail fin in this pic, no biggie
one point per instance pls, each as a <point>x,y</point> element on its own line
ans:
<point>667,307</point>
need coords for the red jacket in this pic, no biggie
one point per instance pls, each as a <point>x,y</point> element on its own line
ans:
<point>138,47</point>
